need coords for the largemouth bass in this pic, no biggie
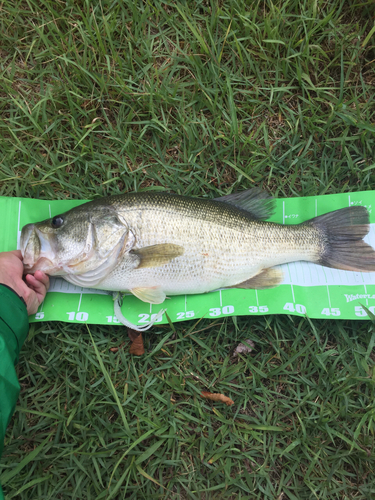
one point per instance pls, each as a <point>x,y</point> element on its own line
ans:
<point>158,244</point>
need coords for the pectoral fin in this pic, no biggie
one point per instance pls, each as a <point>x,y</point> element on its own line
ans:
<point>268,278</point>
<point>158,255</point>
<point>152,295</point>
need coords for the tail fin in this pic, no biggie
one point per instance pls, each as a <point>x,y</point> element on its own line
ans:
<point>342,232</point>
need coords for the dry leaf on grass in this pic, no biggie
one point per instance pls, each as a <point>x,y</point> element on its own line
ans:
<point>137,348</point>
<point>244,348</point>
<point>217,397</point>
<point>115,349</point>
<point>132,334</point>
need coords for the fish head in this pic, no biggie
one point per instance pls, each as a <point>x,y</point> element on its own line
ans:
<point>76,242</point>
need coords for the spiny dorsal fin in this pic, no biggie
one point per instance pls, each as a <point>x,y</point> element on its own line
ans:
<point>258,203</point>
<point>268,278</point>
<point>158,255</point>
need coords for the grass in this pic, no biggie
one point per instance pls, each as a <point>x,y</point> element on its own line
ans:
<point>198,98</point>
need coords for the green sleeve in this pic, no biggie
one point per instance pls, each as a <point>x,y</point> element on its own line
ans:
<point>14,326</point>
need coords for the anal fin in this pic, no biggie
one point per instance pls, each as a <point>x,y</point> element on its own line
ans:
<point>152,295</point>
<point>268,278</point>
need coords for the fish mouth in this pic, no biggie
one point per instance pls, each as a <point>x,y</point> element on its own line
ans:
<point>37,252</point>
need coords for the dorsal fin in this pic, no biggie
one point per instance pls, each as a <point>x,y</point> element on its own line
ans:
<point>258,203</point>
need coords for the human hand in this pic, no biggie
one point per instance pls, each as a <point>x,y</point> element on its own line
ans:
<point>33,290</point>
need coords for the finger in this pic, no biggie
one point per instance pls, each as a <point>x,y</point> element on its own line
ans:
<point>37,286</point>
<point>42,277</point>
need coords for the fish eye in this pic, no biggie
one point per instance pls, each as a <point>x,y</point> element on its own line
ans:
<point>57,222</point>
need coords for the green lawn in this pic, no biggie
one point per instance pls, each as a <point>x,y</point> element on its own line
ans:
<point>198,98</point>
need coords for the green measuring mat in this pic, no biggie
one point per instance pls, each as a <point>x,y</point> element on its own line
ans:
<point>307,289</point>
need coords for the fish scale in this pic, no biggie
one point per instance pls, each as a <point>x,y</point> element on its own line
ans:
<point>158,244</point>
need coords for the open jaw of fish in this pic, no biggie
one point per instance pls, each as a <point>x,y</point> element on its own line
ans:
<point>158,244</point>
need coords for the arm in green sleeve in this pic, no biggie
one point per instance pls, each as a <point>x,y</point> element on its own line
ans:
<point>14,326</point>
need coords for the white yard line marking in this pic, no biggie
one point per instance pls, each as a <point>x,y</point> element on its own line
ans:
<point>329,297</point>
<point>221,300</point>
<point>294,300</point>
<point>283,212</point>
<point>290,276</point>
<point>79,303</point>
